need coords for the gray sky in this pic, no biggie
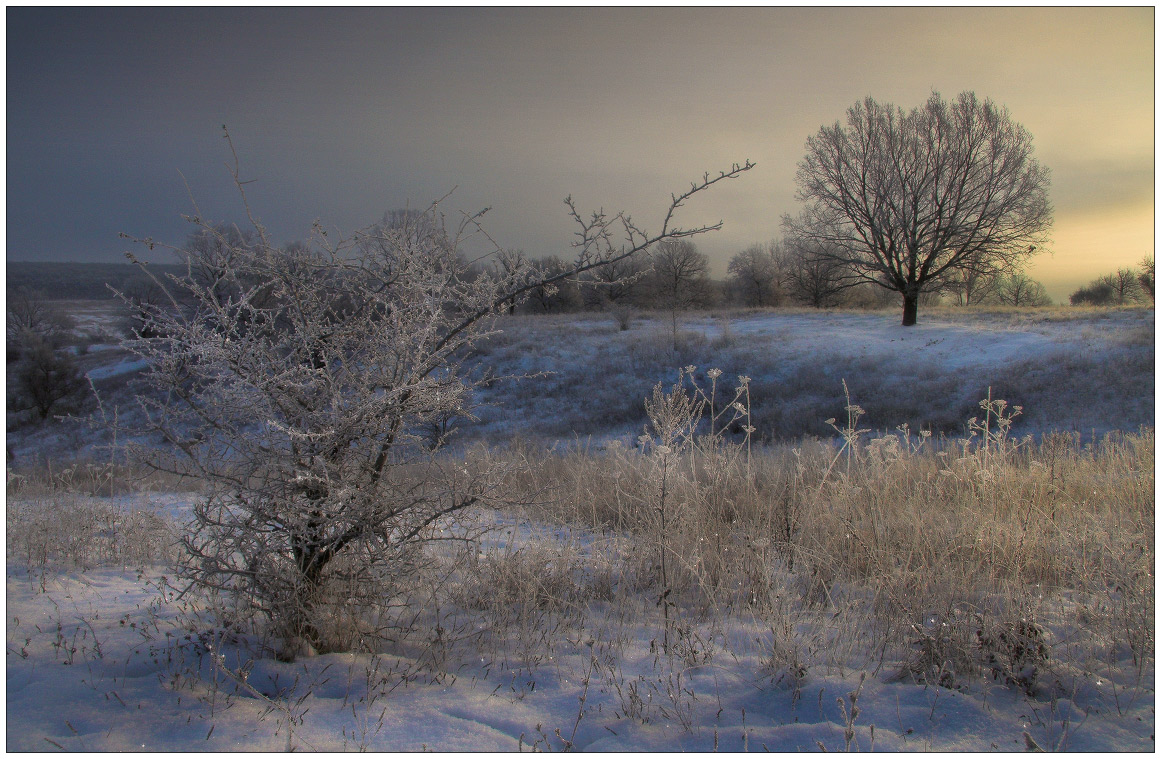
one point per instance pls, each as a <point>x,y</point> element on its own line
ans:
<point>340,115</point>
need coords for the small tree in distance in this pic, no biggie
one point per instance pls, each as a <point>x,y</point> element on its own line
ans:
<point>754,275</point>
<point>44,375</point>
<point>614,283</point>
<point>813,275</point>
<point>46,378</point>
<point>32,320</point>
<point>1020,290</point>
<point>1125,285</point>
<point>679,279</point>
<point>560,297</point>
<point>908,200</point>
<point>1147,277</point>
<point>300,390</point>
<point>971,288</point>
<point>1122,287</point>
<point>1096,293</point>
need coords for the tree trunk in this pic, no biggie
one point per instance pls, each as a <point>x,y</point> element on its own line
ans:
<point>910,309</point>
<point>304,637</point>
<point>310,559</point>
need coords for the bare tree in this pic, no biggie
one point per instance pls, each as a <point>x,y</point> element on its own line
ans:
<point>614,283</point>
<point>679,279</point>
<point>1125,285</point>
<point>909,199</point>
<point>563,296</point>
<point>1122,287</point>
<point>32,320</point>
<point>42,372</point>
<point>46,378</point>
<point>302,401</point>
<point>1099,292</point>
<point>1147,277</point>
<point>971,288</point>
<point>754,275</point>
<point>1020,290</point>
<point>813,274</point>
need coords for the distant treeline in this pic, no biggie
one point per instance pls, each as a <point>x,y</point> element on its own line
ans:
<point>76,281</point>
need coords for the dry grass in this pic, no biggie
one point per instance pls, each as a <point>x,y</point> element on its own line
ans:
<point>943,562</point>
<point>1020,562</point>
<point>90,477</point>
<point>68,531</point>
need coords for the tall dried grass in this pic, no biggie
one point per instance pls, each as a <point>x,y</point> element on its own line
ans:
<point>941,560</point>
<point>1030,562</point>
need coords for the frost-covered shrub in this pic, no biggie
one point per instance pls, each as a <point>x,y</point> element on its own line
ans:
<point>301,383</point>
<point>1015,652</point>
<point>47,379</point>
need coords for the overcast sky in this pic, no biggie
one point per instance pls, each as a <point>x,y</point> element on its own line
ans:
<point>340,115</point>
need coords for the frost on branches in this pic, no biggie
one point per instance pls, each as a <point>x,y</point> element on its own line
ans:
<point>297,382</point>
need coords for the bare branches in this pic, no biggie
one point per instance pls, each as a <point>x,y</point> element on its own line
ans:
<point>597,241</point>
<point>300,380</point>
<point>911,199</point>
<point>605,239</point>
<point>235,170</point>
<point>696,187</point>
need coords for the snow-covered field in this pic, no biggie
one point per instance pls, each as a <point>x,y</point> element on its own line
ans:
<point>110,658</point>
<point>106,660</point>
<point>1088,372</point>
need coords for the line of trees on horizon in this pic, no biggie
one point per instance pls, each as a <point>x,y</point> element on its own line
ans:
<point>945,202</point>
<point>1125,286</point>
<point>676,277</point>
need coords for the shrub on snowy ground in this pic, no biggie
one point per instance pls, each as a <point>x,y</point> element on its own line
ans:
<point>301,384</point>
<point>1017,572</point>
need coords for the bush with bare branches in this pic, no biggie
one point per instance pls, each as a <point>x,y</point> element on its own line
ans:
<point>298,385</point>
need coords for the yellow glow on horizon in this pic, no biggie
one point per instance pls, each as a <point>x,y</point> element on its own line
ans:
<point>1086,246</point>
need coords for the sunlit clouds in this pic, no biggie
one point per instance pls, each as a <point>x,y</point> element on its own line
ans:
<point>342,114</point>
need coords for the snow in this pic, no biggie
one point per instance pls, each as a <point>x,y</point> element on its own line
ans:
<point>108,660</point>
<point>1089,372</point>
<point>1071,369</point>
<point>140,693</point>
<point>948,344</point>
<point>115,370</point>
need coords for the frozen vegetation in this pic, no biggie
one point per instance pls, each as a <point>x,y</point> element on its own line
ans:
<point>947,586</point>
<point>1086,371</point>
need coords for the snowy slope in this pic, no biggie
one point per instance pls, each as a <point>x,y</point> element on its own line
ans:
<point>1085,371</point>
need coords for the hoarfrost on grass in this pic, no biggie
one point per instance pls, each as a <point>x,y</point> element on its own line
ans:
<point>101,662</point>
